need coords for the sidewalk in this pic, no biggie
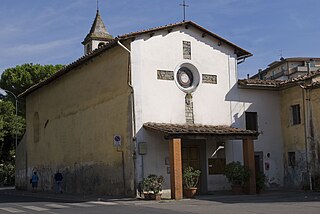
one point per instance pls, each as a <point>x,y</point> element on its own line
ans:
<point>221,197</point>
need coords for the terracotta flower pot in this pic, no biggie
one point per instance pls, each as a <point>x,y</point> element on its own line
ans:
<point>156,197</point>
<point>236,189</point>
<point>190,192</point>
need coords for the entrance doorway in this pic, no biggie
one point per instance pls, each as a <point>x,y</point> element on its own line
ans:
<point>191,157</point>
<point>258,160</point>
<point>194,154</point>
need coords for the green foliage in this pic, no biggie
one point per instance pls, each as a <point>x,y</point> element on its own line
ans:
<point>10,125</point>
<point>190,177</point>
<point>7,170</point>
<point>153,183</point>
<point>236,173</point>
<point>22,77</point>
<point>260,181</point>
<point>16,80</point>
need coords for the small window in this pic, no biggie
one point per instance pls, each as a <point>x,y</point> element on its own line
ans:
<point>101,44</point>
<point>291,158</point>
<point>295,109</point>
<point>251,121</point>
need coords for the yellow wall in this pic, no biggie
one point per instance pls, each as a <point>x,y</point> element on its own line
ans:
<point>303,139</point>
<point>78,116</point>
<point>293,136</point>
<point>314,133</point>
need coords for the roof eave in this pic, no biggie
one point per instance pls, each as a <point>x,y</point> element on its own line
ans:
<point>241,53</point>
<point>69,67</point>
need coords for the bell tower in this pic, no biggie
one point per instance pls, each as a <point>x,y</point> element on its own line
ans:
<point>97,36</point>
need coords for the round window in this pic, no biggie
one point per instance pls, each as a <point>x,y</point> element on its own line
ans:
<point>187,77</point>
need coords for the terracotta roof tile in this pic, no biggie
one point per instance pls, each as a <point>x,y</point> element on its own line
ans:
<point>197,129</point>
<point>276,84</point>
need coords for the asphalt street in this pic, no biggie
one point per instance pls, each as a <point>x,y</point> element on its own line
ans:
<point>12,201</point>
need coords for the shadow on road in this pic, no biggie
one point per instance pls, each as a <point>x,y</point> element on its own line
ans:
<point>267,197</point>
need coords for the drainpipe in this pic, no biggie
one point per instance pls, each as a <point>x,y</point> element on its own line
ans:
<point>133,119</point>
<point>306,107</point>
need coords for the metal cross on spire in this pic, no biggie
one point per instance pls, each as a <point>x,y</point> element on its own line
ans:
<point>97,5</point>
<point>184,5</point>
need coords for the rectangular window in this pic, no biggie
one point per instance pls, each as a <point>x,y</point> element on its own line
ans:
<point>251,121</point>
<point>295,109</point>
<point>291,158</point>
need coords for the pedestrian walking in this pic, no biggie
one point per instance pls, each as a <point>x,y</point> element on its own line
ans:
<point>58,179</point>
<point>34,181</point>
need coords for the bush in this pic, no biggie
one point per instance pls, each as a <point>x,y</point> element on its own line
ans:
<point>153,183</point>
<point>260,181</point>
<point>7,174</point>
<point>236,173</point>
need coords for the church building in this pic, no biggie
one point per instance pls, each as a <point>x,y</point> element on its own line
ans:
<point>149,102</point>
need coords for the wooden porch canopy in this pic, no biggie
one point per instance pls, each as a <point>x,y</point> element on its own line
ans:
<point>176,132</point>
<point>171,131</point>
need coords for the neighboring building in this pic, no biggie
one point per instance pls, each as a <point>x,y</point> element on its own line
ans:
<point>150,102</point>
<point>288,68</point>
<point>300,113</point>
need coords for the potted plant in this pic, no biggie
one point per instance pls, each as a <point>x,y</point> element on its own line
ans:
<point>152,186</point>
<point>260,182</point>
<point>190,181</point>
<point>237,175</point>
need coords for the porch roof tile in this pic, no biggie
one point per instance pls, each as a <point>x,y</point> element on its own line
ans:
<point>198,129</point>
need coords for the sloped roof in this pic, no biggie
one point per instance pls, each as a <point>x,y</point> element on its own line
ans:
<point>71,66</point>
<point>180,130</point>
<point>279,84</point>
<point>98,30</point>
<point>241,53</point>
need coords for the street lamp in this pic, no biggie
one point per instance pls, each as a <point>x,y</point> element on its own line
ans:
<point>16,128</point>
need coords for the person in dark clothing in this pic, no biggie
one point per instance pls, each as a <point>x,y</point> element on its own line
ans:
<point>58,179</point>
<point>34,181</point>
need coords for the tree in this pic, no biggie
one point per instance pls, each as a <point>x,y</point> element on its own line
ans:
<point>10,124</point>
<point>22,77</point>
<point>16,80</point>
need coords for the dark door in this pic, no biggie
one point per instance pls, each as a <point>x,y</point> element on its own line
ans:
<point>258,160</point>
<point>191,157</point>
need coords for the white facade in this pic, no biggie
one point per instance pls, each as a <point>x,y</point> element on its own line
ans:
<point>162,101</point>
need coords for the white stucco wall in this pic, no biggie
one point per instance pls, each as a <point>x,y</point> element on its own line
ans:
<point>162,101</point>
<point>267,106</point>
<point>223,103</point>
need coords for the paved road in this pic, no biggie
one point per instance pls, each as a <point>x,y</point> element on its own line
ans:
<point>268,203</point>
<point>31,204</point>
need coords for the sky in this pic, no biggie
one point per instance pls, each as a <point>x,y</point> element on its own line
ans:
<point>51,31</point>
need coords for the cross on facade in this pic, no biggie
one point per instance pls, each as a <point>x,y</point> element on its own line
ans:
<point>184,5</point>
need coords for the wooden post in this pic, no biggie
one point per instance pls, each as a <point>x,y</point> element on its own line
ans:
<point>248,159</point>
<point>175,169</point>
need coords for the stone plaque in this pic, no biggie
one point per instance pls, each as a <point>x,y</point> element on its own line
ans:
<point>165,75</point>
<point>186,50</point>
<point>209,78</point>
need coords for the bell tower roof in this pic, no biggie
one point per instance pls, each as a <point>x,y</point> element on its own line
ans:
<point>98,31</point>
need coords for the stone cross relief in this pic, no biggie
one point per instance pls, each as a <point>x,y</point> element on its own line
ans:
<point>189,109</point>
